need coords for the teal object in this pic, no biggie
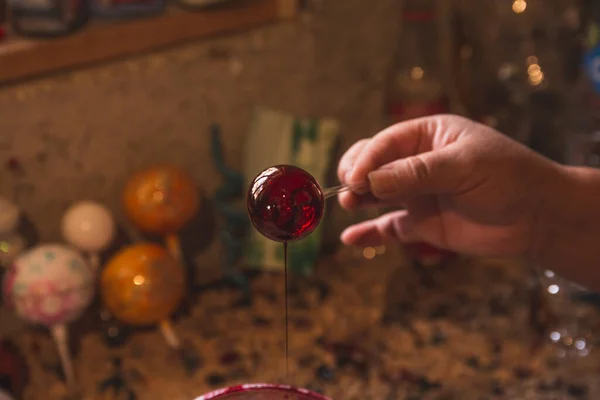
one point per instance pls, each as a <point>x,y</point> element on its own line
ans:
<point>235,221</point>
<point>302,258</point>
<point>277,137</point>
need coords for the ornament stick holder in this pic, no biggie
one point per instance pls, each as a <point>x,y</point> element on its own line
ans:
<point>174,246</point>
<point>61,338</point>
<point>94,259</point>
<point>166,328</point>
<point>187,355</point>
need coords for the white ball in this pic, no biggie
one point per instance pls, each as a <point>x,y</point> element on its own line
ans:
<point>88,226</point>
<point>4,395</point>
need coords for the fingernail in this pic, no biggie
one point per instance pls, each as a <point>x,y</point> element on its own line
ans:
<point>380,181</point>
<point>358,187</point>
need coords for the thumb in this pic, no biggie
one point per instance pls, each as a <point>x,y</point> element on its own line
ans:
<point>434,172</point>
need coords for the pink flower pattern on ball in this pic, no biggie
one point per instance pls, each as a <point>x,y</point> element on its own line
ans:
<point>47,303</point>
<point>49,285</point>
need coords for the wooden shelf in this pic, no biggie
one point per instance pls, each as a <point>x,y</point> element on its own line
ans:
<point>101,41</point>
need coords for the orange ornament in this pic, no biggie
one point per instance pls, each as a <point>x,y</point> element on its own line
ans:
<point>160,200</point>
<point>142,284</point>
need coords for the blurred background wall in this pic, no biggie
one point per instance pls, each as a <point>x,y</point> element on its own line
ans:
<point>80,134</point>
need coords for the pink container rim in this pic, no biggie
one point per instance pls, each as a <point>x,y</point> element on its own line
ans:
<point>254,387</point>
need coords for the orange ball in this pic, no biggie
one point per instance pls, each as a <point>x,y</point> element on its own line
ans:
<point>142,284</point>
<point>160,200</point>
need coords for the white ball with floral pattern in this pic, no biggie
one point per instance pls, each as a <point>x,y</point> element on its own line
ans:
<point>50,284</point>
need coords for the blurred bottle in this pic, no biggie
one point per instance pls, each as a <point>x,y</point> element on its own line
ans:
<point>416,87</point>
<point>515,61</point>
<point>424,255</point>
<point>553,69</point>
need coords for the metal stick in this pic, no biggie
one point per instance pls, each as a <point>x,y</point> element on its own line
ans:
<point>174,247</point>
<point>169,334</point>
<point>335,190</point>
<point>94,259</point>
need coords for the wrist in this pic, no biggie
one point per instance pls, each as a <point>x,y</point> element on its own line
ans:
<point>567,227</point>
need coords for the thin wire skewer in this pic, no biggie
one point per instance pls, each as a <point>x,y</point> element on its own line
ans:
<point>335,190</point>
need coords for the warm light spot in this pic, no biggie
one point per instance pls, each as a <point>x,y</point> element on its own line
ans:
<point>532,60</point>
<point>139,280</point>
<point>416,73</point>
<point>380,250</point>
<point>536,79</point>
<point>536,76</point>
<point>4,247</point>
<point>369,253</point>
<point>533,69</point>
<point>553,289</point>
<point>519,6</point>
<point>567,341</point>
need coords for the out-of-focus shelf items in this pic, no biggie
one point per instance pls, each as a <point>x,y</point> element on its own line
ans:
<point>98,41</point>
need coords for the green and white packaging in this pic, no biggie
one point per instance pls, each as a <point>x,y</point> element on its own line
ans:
<point>281,138</point>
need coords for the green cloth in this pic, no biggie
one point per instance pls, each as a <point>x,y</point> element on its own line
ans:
<point>280,138</point>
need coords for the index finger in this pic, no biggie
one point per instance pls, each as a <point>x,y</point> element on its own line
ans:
<point>401,140</point>
<point>347,161</point>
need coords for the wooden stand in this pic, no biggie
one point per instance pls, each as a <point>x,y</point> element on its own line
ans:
<point>101,41</point>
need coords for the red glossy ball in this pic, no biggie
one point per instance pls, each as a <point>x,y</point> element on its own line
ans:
<point>285,203</point>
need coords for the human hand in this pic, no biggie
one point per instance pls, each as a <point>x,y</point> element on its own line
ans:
<point>462,186</point>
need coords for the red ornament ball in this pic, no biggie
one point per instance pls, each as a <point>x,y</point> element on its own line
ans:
<point>285,203</point>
